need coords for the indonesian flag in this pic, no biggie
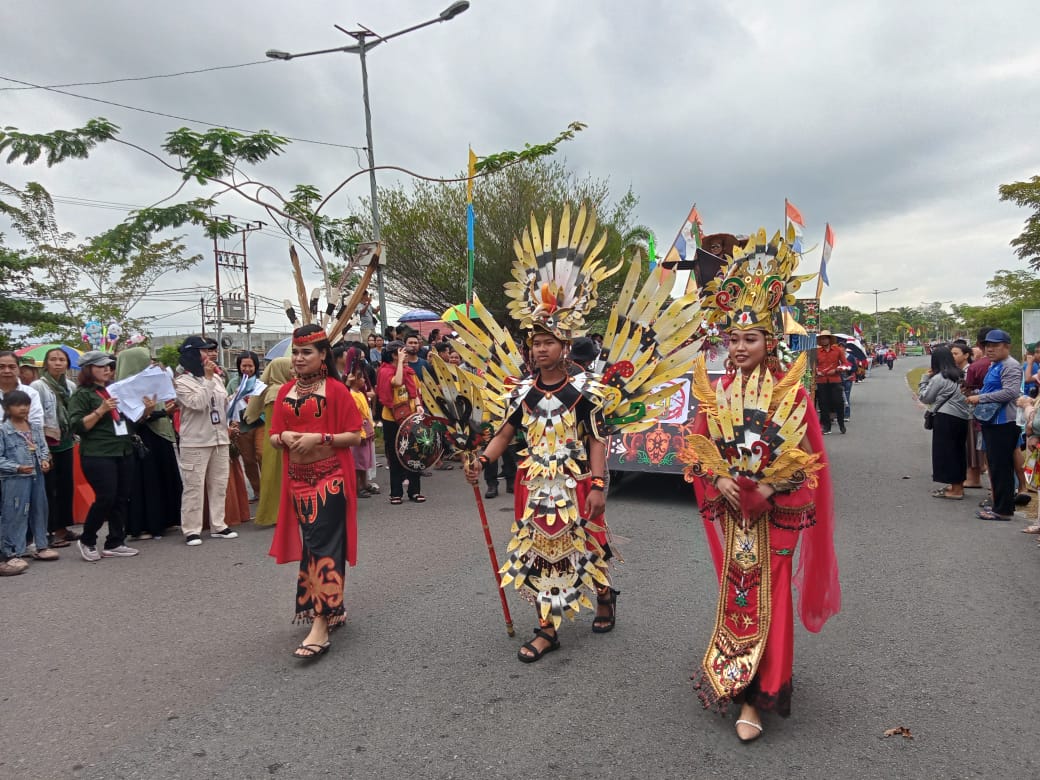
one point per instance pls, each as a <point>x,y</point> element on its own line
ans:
<point>795,220</point>
<point>828,245</point>
<point>857,330</point>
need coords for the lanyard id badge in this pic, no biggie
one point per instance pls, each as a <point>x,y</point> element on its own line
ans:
<point>214,415</point>
<point>120,426</point>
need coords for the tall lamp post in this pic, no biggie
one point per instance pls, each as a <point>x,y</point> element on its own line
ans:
<point>361,48</point>
<point>877,318</point>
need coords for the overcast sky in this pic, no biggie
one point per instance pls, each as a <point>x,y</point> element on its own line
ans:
<point>895,122</point>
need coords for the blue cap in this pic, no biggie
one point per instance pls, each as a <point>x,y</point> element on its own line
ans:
<point>998,337</point>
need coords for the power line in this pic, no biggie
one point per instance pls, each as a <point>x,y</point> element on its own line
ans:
<point>140,78</point>
<point>172,116</point>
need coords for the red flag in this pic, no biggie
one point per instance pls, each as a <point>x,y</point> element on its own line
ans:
<point>794,214</point>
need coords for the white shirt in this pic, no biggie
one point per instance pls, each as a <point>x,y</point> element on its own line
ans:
<point>35,405</point>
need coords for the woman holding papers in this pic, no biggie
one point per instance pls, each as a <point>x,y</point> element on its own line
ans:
<point>155,497</point>
<point>106,454</point>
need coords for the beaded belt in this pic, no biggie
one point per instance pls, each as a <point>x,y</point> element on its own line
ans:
<point>311,473</point>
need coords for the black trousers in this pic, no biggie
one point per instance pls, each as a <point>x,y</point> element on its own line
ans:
<point>1001,442</point>
<point>110,477</point>
<point>949,455</point>
<point>508,468</point>
<point>831,398</point>
<point>59,483</point>
<point>398,473</point>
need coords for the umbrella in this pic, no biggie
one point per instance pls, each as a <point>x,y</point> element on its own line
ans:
<point>843,336</point>
<point>452,314</point>
<point>281,349</point>
<point>418,315</point>
<point>856,349</point>
<point>38,352</point>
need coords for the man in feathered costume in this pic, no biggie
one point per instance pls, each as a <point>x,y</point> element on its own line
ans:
<point>558,554</point>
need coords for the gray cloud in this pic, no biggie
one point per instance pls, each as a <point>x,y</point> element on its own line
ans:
<point>894,122</point>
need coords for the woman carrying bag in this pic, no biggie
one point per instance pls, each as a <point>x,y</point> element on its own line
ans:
<point>950,420</point>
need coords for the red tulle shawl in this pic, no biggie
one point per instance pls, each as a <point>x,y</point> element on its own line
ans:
<point>341,416</point>
<point>816,576</point>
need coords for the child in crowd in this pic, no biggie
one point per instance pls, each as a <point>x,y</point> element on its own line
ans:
<point>1032,454</point>
<point>364,453</point>
<point>24,459</point>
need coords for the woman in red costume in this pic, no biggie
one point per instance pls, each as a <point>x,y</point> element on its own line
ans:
<point>763,485</point>
<point>316,422</point>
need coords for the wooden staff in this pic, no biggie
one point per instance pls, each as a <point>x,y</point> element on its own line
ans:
<point>470,457</point>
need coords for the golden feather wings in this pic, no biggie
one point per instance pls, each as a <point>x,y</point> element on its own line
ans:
<point>650,341</point>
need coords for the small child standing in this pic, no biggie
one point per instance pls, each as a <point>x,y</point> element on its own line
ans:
<point>24,459</point>
<point>365,452</point>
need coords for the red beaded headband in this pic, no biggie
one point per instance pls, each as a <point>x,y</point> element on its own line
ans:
<point>310,338</point>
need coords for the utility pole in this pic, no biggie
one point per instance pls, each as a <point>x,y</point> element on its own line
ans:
<point>234,309</point>
<point>877,318</point>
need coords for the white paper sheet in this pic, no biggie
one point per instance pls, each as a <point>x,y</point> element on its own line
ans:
<point>130,392</point>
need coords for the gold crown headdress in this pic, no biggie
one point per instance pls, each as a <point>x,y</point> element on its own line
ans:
<point>754,286</point>
<point>556,276</point>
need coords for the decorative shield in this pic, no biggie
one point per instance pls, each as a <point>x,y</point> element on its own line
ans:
<point>420,442</point>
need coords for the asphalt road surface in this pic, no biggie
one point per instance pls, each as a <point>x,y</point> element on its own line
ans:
<point>176,664</point>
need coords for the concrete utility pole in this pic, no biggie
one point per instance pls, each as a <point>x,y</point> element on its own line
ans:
<point>235,308</point>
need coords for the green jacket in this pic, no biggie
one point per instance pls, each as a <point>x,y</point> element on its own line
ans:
<point>101,440</point>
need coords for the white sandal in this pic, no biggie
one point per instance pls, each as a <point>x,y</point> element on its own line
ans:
<point>753,725</point>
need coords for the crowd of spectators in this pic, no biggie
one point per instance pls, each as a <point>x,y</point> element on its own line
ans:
<point>198,460</point>
<point>982,404</point>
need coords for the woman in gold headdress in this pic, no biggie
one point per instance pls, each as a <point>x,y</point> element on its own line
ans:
<point>757,461</point>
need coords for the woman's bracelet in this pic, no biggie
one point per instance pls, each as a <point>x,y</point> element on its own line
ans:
<point>327,439</point>
<point>483,460</point>
<point>597,483</point>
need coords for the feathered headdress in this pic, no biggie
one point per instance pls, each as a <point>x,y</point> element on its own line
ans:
<point>556,275</point>
<point>756,283</point>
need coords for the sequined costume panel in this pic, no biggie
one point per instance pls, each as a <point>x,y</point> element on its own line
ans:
<point>554,557</point>
<point>751,652</point>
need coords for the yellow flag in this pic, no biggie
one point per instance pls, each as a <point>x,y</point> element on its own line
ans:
<point>472,173</point>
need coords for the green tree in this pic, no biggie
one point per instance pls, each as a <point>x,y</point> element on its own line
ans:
<point>425,233</point>
<point>841,319</point>
<point>104,278</point>
<point>1027,195</point>
<point>169,355</point>
<point>222,160</point>
<point>1008,293</point>
<point>21,293</point>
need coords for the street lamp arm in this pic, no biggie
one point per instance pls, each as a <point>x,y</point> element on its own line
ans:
<point>276,54</point>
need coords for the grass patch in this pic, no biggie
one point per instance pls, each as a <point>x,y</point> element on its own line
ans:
<point>913,378</point>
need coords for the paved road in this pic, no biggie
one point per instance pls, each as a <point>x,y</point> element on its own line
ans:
<point>176,664</point>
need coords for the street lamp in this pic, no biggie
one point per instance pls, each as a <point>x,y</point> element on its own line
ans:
<point>361,48</point>
<point>877,319</point>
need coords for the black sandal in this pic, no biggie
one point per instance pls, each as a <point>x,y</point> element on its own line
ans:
<point>395,500</point>
<point>552,639</point>
<point>606,624</point>
<point>417,498</point>
<point>312,651</point>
